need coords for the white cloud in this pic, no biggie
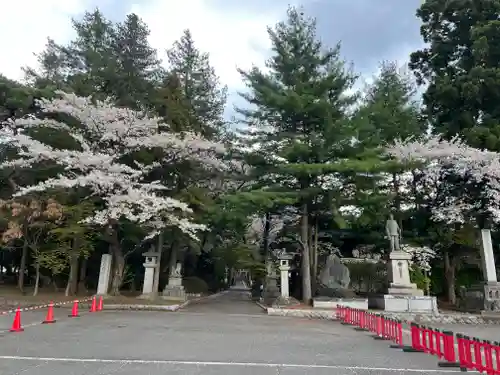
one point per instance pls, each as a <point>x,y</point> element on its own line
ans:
<point>233,39</point>
<point>25,26</point>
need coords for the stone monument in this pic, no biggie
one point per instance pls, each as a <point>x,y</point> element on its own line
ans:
<point>485,296</point>
<point>402,295</point>
<point>333,287</point>
<point>150,268</point>
<point>335,275</point>
<point>174,289</point>
<point>104,275</point>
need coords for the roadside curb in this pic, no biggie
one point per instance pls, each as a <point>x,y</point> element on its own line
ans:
<point>172,308</point>
<point>263,307</point>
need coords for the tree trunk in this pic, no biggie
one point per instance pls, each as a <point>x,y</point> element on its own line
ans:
<point>22,266</point>
<point>449,271</point>
<point>314,259</point>
<point>82,288</point>
<point>306,261</point>
<point>37,279</point>
<point>159,250</point>
<point>72,285</point>
<point>118,273</point>
<point>118,262</point>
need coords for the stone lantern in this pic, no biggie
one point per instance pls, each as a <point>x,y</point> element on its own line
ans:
<point>284,267</point>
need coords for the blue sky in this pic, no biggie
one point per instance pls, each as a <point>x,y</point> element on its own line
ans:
<point>232,31</point>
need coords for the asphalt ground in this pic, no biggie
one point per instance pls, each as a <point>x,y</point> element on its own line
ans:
<point>220,336</point>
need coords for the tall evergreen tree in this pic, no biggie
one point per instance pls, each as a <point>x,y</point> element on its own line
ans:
<point>389,109</point>
<point>200,85</point>
<point>300,108</point>
<point>90,58</point>
<point>138,69</point>
<point>104,60</point>
<point>460,67</point>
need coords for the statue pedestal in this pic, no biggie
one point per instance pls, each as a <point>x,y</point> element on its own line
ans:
<point>174,290</point>
<point>403,295</point>
<point>408,304</point>
<point>327,303</point>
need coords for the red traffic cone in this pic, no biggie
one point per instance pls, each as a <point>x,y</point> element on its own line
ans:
<point>93,307</point>
<point>99,305</point>
<point>50,315</point>
<point>74,310</point>
<point>16,324</point>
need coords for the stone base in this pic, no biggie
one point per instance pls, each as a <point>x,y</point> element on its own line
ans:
<point>405,290</point>
<point>148,296</point>
<point>481,297</point>
<point>407,304</point>
<point>331,303</point>
<point>174,292</point>
<point>285,301</point>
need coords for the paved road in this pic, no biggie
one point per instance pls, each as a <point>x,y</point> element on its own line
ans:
<point>218,337</point>
<point>235,301</point>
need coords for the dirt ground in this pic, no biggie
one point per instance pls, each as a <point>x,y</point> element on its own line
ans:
<point>11,297</point>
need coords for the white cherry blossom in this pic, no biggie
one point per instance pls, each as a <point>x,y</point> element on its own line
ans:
<point>477,170</point>
<point>105,135</point>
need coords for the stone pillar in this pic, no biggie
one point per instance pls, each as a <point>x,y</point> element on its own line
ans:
<point>174,289</point>
<point>104,275</point>
<point>284,269</point>
<point>487,257</point>
<point>150,269</point>
<point>491,286</point>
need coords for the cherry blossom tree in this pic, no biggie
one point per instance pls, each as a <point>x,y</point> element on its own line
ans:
<point>465,181</point>
<point>106,165</point>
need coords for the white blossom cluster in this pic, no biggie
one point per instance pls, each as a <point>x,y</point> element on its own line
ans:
<point>421,256</point>
<point>106,134</point>
<point>478,169</point>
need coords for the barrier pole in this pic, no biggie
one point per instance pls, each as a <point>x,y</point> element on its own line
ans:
<point>398,335</point>
<point>416,340</point>
<point>449,354</point>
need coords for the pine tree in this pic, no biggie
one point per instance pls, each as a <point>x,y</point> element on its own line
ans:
<point>301,106</point>
<point>389,108</point>
<point>138,69</point>
<point>388,112</point>
<point>90,58</point>
<point>200,85</point>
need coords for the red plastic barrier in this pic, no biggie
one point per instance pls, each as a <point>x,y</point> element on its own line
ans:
<point>477,354</point>
<point>416,339</point>
<point>338,312</point>
<point>449,353</point>
<point>432,341</point>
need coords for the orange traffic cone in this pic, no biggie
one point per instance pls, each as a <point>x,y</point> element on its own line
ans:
<point>74,310</point>
<point>99,305</point>
<point>93,307</point>
<point>50,315</point>
<point>16,324</point>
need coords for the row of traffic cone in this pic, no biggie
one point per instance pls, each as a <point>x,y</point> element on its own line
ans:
<point>94,307</point>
